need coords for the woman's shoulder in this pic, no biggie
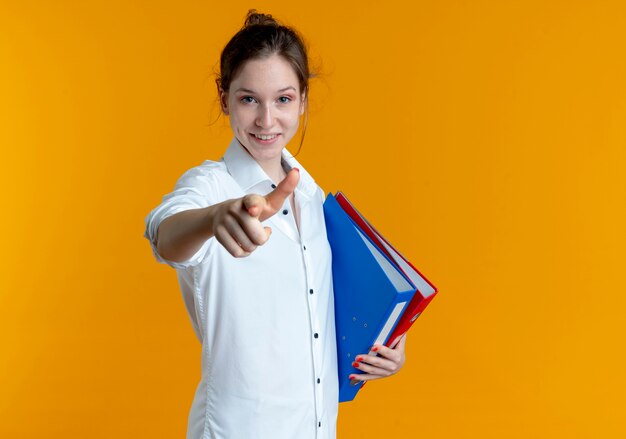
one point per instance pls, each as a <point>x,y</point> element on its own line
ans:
<point>206,168</point>
<point>207,172</point>
<point>211,179</point>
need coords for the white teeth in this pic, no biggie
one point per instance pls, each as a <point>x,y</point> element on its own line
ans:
<point>265,137</point>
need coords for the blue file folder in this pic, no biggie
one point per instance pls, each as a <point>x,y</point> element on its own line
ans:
<point>371,293</point>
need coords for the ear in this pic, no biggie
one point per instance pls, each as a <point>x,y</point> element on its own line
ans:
<point>223,100</point>
<point>303,103</point>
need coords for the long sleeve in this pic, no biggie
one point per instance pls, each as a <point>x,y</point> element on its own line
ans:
<point>194,190</point>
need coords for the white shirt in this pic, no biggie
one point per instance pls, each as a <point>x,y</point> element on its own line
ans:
<point>266,322</point>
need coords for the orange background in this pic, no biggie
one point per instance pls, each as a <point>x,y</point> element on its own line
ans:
<point>486,139</point>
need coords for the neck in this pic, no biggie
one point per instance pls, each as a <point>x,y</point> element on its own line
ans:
<point>274,169</point>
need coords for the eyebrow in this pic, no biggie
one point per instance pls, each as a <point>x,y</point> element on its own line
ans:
<point>246,90</point>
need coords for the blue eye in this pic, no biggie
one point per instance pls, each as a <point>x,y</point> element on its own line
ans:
<point>284,99</point>
<point>248,99</point>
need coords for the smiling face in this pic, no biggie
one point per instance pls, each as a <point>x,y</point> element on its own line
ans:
<point>264,103</point>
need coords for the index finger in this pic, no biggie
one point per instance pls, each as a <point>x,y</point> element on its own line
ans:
<point>254,204</point>
<point>385,352</point>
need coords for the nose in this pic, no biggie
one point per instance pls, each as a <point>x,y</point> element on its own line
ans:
<point>265,117</point>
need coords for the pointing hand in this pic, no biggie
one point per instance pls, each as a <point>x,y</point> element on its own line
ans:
<point>237,223</point>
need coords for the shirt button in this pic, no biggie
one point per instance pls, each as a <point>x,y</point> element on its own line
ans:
<point>273,186</point>
<point>316,335</point>
<point>318,381</point>
<point>319,424</point>
<point>285,212</point>
<point>311,291</point>
<point>304,247</point>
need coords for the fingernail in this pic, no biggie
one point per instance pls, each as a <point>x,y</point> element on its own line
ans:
<point>375,348</point>
<point>355,364</point>
<point>359,359</point>
<point>296,169</point>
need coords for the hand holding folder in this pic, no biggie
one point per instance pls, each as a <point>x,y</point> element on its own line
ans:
<point>378,293</point>
<point>381,362</point>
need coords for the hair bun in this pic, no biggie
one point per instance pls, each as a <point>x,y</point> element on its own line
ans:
<point>255,18</point>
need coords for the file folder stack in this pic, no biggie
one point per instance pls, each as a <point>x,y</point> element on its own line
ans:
<point>378,293</point>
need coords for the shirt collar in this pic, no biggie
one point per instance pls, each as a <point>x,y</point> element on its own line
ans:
<point>249,174</point>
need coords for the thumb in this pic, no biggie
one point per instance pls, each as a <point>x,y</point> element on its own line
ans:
<point>275,199</point>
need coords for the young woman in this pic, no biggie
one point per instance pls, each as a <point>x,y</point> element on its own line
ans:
<point>246,235</point>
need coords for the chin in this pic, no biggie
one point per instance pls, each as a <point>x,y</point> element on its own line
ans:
<point>264,150</point>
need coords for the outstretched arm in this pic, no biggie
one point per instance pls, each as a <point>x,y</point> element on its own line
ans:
<point>236,224</point>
